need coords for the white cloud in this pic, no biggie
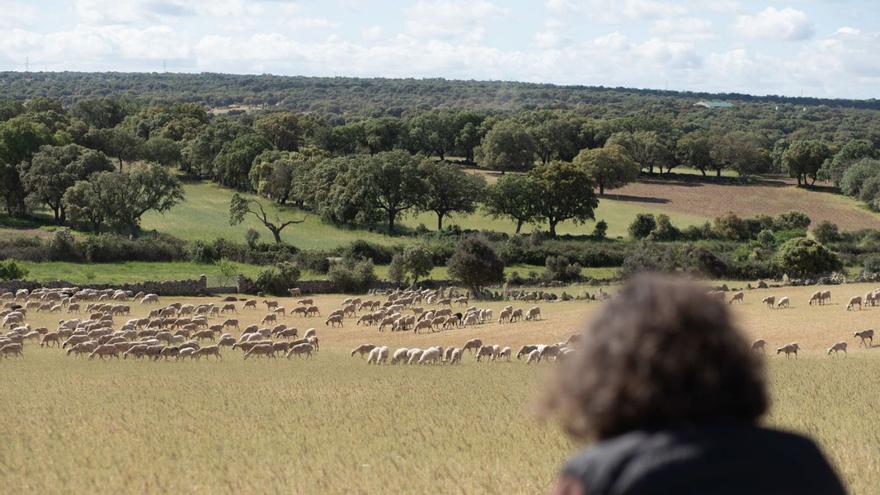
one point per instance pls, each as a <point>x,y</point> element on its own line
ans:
<point>787,24</point>
<point>684,29</point>
<point>135,11</point>
<point>16,14</point>
<point>450,18</point>
<point>372,33</point>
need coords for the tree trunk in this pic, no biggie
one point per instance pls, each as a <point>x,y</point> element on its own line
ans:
<point>718,172</point>
<point>439,222</point>
<point>552,228</point>
<point>519,224</point>
<point>651,168</point>
<point>391,216</point>
<point>703,171</point>
<point>56,210</point>
<point>601,189</point>
<point>276,233</point>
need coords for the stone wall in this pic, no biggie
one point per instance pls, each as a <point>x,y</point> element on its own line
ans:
<point>196,287</point>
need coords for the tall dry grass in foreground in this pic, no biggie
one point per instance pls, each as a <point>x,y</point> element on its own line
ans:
<point>333,424</point>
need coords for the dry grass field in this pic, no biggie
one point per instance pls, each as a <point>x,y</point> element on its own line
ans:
<point>334,424</point>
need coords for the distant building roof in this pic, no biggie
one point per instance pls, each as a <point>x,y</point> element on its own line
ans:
<point>713,104</point>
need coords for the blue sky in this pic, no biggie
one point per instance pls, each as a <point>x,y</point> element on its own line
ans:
<point>825,48</point>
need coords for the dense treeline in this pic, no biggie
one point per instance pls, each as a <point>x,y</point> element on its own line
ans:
<point>374,169</point>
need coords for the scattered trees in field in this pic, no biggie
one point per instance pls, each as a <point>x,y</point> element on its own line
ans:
<point>514,197</point>
<point>449,190</point>
<point>507,146</point>
<point>563,191</point>
<point>118,200</point>
<point>241,206</point>
<point>804,257</point>
<point>610,166</point>
<point>475,264</point>
<point>803,159</point>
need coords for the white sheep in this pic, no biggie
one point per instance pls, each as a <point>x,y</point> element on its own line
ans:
<point>853,301</point>
<point>789,349</point>
<point>431,355</point>
<point>534,357</point>
<point>784,302</point>
<point>839,346</point>
<point>770,301</point>
<point>363,349</point>
<point>399,355</point>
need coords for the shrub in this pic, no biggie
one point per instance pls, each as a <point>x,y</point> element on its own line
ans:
<point>731,227</point>
<point>10,270</point>
<point>377,253</point>
<point>62,247</point>
<point>648,257</point>
<point>802,257</point>
<point>277,279</point>
<point>826,232</point>
<point>418,261</point>
<point>352,276</point>
<point>664,231</point>
<point>703,261</point>
<point>793,220</point>
<point>642,226</point>
<point>315,261</point>
<point>475,264</point>
<point>601,229</point>
<point>559,268</point>
<point>397,269</point>
<point>251,237</point>
<point>766,238</point>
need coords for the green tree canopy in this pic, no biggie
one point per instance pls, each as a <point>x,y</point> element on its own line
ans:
<point>475,264</point>
<point>507,146</point>
<point>514,197</point>
<point>450,190</point>
<point>565,192</point>
<point>610,166</point>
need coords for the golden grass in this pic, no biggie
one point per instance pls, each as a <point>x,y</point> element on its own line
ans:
<point>332,424</point>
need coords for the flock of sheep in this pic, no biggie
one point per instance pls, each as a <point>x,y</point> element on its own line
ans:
<point>819,298</point>
<point>179,330</point>
<point>452,355</point>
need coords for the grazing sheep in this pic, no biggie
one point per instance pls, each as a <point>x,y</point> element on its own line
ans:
<point>294,292</point>
<point>414,355</point>
<point>504,315</point>
<point>333,320</point>
<point>310,332</point>
<point>432,355</point>
<point>11,350</point>
<point>760,345</point>
<point>288,333</point>
<point>269,318</point>
<point>486,351</point>
<point>738,297</point>
<point>533,313</point>
<point>525,351</point>
<point>422,325</point>
<point>302,350</point>
<point>504,353</point>
<point>51,338</point>
<point>455,357</point>
<point>816,297</point>
<point>105,350</point>
<point>473,345</point>
<point>866,336</point>
<point>770,301</point>
<point>550,351</point>
<point>789,349</point>
<point>312,311</point>
<point>840,346</point>
<point>226,341</point>
<point>826,296</point>
<point>534,357</point>
<point>516,315</point>
<point>399,355</point>
<point>853,301</point>
<point>261,350</point>
<point>363,349</point>
<point>783,302</point>
<point>251,303</point>
<point>379,355</point>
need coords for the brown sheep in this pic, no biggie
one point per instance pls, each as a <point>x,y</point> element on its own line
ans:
<point>363,349</point>
<point>333,320</point>
<point>473,345</point>
<point>760,345</point>
<point>261,350</point>
<point>12,350</point>
<point>789,349</point>
<point>839,346</point>
<point>853,301</point>
<point>770,301</point>
<point>866,336</point>
<point>738,297</point>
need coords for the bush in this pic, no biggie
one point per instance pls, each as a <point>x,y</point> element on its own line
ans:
<point>664,231</point>
<point>62,247</point>
<point>277,279</point>
<point>352,276</point>
<point>648,258</point>
<point>802,257</point>
<point>377,253</point>
<point>475,264</point>
<point>642,226</point>
<point>251,238</point>
<point>731,227</point>
<point>559,268</point>
<point>702,261</point>
<point>601,229</point>
<point>418,261</point>
<point>10,270</point>
<point>315,261</point>
<point>793,220</point>
<point>766,238</point>
<point>397,269</point>
<point>826,232</point>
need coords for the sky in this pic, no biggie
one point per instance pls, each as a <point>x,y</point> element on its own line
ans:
<point>821,48</point>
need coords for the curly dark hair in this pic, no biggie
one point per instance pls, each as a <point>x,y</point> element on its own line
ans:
<point>662,354</point>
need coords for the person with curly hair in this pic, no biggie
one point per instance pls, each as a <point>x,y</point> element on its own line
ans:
<point>666,387</point>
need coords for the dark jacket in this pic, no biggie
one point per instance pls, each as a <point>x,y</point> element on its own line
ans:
<point>720,459</point>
